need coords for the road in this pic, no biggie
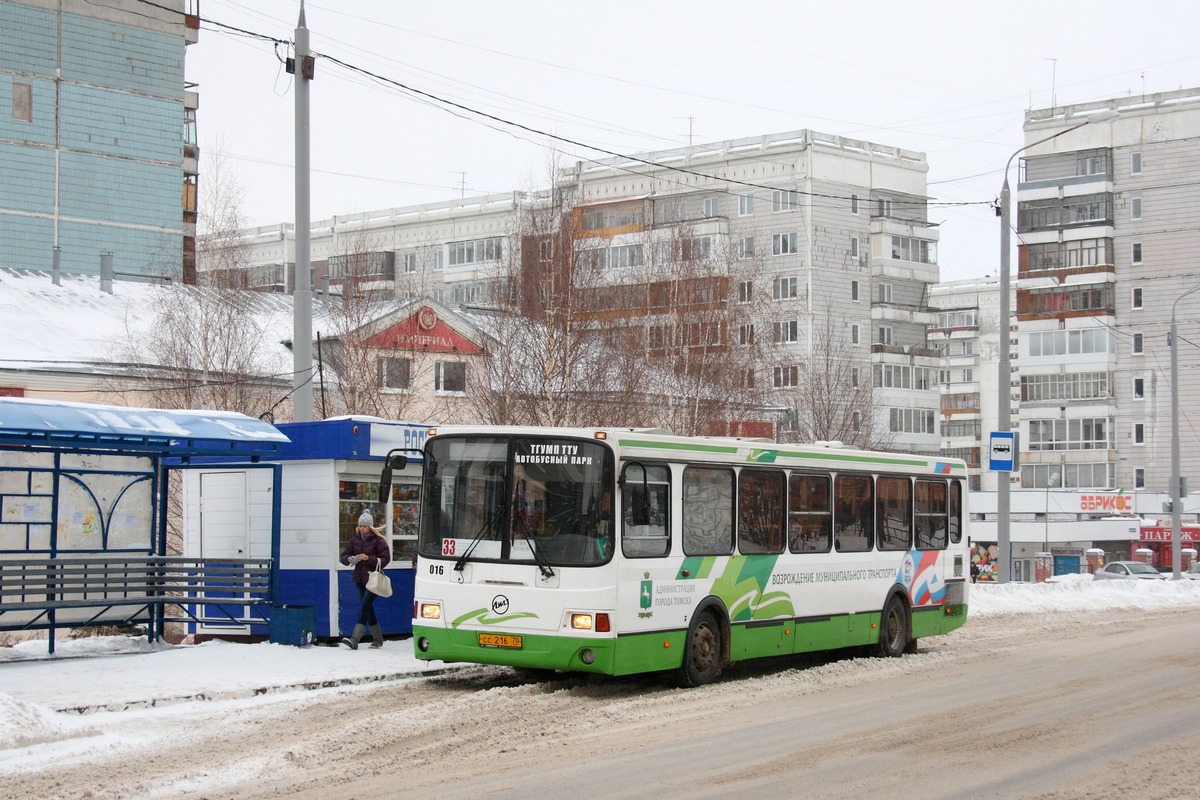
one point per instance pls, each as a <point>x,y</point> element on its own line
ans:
<point>1026,706</point>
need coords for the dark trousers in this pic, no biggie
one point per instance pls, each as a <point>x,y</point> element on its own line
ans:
<point>366,607</point>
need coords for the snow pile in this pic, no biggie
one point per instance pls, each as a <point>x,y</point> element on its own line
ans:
<point>1074,593</point>
<point>23,724</point>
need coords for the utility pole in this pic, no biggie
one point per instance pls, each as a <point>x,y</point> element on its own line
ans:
<point>302,379</point>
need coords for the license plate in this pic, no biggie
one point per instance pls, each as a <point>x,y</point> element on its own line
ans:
<point>504,640</point>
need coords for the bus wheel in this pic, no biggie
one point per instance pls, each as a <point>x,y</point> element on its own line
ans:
<point>893,629</point>
<point>702,653</point>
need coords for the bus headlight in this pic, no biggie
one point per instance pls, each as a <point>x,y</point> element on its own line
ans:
<point>429,611</point>
<point>588,622</point>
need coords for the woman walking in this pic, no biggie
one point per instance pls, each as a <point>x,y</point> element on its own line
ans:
<point>365,550</point>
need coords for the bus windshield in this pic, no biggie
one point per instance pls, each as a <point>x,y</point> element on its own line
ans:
<point>546,501</point>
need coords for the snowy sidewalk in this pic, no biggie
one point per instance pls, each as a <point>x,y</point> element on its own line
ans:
<point>117,673</point>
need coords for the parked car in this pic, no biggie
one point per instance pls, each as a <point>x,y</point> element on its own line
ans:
<point>1193,574</point>
<point>1129,571</point>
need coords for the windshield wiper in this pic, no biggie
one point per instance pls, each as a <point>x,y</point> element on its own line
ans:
<point>487,526</point>
<point>547,572</point>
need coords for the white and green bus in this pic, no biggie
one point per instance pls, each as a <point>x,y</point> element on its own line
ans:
<point>623,551</point>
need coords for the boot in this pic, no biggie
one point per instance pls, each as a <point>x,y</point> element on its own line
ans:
<point>355,637</point>
<point>376,636</point>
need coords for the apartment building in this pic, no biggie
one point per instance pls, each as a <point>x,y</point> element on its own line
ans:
<point>97,137</point>
<point>820,241</point>
<point>1107,248</point>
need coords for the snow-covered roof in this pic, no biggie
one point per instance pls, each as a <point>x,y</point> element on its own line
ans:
<point>75,327</point>
<point>51,422</point>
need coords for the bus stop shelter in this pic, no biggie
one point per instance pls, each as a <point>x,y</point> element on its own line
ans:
<point>84,538</point>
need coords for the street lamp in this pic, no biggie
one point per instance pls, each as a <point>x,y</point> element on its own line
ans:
<point>1176,511</point>
<point>1004,411</point>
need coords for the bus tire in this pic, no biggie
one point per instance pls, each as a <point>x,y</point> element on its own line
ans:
<point>701,652</point>
<point>893,628</point>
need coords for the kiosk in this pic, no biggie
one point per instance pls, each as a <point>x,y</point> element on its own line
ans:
<point>330,474</point>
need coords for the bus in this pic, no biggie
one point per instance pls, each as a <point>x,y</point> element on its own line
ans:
<point>624,551</point>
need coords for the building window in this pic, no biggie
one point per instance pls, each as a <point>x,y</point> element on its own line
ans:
<point>395,373</point>
<point>856,421</point>
<point>885,292</point>
<point>1139,478</point>
<point>1079,253</point>
<point>1137,344</point>
<point>1135,298</point>
<point>854,247</point>
<point>786,376</point>
<point>1071,434</point>
<point>1139,433</point>
<point>853,204</point>
<point>787,332</point>
<point>410,262</point>
<point>746,334</point>
<point>968,376</point>
<point>712,207</point>
<point>906,248</point>
<point>1139,388</point>
<point>745,205</point>
<point>885,207</point>
<point>1135,163</point>
<point>911,420</point>
<point>784,288</point>
<point>745,247</point>
<point>854,291</point>
<point>1135,208</point>
<point>885,334</point>
<point>1136,253</point>
<point>783,200</point>
<point>783,244</point>
<point>854,334</point>
<point>22,101</point>
<point>451,376</point>
<point>854,377</point>
<point>546,250</point>
<point>745,291</point>
<point>476,251</point>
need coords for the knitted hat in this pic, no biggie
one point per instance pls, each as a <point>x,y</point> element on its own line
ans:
<point>366,519</point>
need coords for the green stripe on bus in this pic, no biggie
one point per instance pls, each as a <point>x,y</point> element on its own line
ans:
<point>684,446</point>
<point>627,655</point>
<point>765,455</point>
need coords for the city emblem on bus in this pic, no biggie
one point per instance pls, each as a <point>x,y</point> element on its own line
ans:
<point>647,592</point>
<point>499,604</point>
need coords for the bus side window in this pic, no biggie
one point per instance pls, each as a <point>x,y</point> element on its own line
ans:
<point>760,511</point>
<point>853,514</point>
<point>955,511</point>
<point>810,522</point>
<point>707,511</point>
<point>931,515</point>
<point>894,504</point>
<point>646,502</point>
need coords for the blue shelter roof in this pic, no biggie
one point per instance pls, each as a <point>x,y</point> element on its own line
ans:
<point>50,423</point>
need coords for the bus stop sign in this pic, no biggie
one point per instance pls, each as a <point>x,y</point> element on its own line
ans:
<point>1003,451</point>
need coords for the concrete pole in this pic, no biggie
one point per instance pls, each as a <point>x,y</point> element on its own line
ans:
<point>1004,399</point>
<point>1176,511</point>
<point>302,396</point>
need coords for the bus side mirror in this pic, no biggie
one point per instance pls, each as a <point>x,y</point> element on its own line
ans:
<point>392,463</point>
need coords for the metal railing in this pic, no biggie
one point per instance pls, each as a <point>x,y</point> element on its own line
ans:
<point>92,590</point>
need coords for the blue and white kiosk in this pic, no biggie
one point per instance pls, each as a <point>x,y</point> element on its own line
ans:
<point>330,474</point>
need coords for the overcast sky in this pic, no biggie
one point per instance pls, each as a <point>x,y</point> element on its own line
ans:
<point>949,79</point>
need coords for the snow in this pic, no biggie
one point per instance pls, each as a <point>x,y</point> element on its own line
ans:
<point>89,685</point>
